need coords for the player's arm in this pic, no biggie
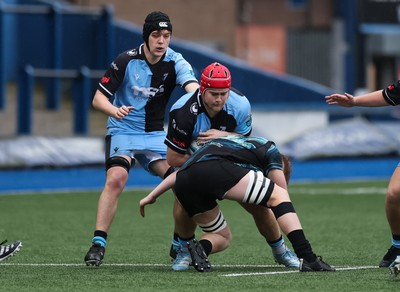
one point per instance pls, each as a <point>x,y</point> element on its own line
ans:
<point>190,87</point>
<point>372,99</point>
<point>175,158</point>
<point>108,85</point>
<point>103,104</point>
<point>162,187</point>
<point>179,134</point>
<point>212,134</point>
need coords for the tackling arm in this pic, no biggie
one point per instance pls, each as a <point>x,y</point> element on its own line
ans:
<point>372,99</point>
<point>164,186</point>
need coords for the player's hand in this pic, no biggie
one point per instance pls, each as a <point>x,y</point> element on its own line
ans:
<point>145,201</point>
<point>210,135</point>
<point>346,100</point>
<point>123,111</point>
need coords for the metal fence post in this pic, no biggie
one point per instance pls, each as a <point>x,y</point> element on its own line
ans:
<point>106,36</point>
<point>53,85</point>
<point>25,97</point>
<point>81,101</point>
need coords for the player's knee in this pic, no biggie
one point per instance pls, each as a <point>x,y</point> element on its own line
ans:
<point>393,196</point>
<point>216,225</point>
<point>118,161</point>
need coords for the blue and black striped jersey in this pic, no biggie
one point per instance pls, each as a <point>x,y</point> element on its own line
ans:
<point>188,117</point>
<point>392,93</point>
<point>254,153</point>
<point>132,81</point>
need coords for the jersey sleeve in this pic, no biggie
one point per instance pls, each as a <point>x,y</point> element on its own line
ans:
<point>114,75</point>
<point>243,117</point>
<point>392,94</point>
<point>180,127</point>
<point>184,71</point>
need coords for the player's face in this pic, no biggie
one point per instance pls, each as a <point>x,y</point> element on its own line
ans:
<point>159,42</point>
<point>214,100</point>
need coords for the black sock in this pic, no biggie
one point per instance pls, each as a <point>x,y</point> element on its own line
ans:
<point>301,245</point>
<point>274,241</point>
<point>207,245</point>
<point>100,233</point>
<point>185,239</point>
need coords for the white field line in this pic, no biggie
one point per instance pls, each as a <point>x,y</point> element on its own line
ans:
<point>283,269</point>
<point>128,265</point>
<point>349,191</point>
<point>295,271</point>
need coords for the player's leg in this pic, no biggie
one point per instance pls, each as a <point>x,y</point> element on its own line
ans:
<point>392,208</point>
<point>215,238</point>
<point>254,188</point>
<point>116,178</point>
<point>265,219</point>
<point>117,165</point>
<point>184,229</point>
<point>184,226</point>
<point>269,229</point>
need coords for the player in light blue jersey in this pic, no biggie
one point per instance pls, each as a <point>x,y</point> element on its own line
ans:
<point>134,92</point>
<point>213,111</point>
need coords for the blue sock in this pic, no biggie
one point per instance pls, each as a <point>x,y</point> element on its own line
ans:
<point>278,247</point>
<point>100,240</point>
<point>396,243</point>
<point>183,241</point>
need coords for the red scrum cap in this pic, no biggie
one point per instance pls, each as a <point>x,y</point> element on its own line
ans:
<point>215,75</point>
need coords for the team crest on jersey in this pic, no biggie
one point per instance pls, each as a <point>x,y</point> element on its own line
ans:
<point>194,109</point>
<point>132,53</point>
<point>114,66</point>
<point>146,92</point>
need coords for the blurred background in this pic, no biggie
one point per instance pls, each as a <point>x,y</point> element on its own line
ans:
<point>284,55</point>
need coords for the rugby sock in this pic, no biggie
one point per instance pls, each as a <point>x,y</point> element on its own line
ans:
<point>301,245</point>
<point>100,237</point>
<point>207,245</point>
<point>183,241</point>
<point>277,246</point>
<point>175,241</point>
<point>396,240</point>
